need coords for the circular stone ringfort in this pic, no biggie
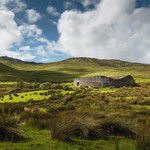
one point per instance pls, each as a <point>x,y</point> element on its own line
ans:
<point>103,81</point>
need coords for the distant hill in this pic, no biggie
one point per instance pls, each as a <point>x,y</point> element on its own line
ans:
<point>67,70</point>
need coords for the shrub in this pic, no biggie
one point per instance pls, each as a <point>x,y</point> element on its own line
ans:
<point>117,126</point>
<point>9,129</point>
<point>56,96</point>
<point>34,86</point>
<point>45,85</point>
<point>56,86</point>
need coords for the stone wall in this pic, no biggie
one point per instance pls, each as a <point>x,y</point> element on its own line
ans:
<point>103,81</point>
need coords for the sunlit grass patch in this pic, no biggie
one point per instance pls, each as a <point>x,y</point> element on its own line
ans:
<point>140,106</point>
<point>8,82</point>
<point>27,96</point>
<point>142,80</point>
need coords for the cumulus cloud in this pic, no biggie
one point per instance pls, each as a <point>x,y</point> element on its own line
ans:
<point>11,34</point>
<point>16,6</point>
<point>50,46</point>
<point>115,29</point>
<point>13,5</point>
<point>9,31</point>
<point>52,11</point>
<point>32,15</point>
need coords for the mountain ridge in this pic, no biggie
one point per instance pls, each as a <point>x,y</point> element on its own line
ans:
<point>68,69</point>
<point>103,62</point>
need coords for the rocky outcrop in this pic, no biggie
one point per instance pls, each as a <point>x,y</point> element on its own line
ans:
<point>103,81</point>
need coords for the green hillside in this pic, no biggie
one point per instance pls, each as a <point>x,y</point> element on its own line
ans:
<point>66,70</point>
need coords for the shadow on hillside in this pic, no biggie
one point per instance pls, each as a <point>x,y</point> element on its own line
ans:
<point>39,76</point>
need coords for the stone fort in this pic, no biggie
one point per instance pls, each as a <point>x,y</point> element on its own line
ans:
<point>103,81</point>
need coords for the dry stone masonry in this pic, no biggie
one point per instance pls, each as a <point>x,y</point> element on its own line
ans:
<point>103,81</point>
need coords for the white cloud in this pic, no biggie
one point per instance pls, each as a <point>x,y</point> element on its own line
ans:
<point>30,30</point>
<point>113,30</point>
<point>52,11</point>
<point>9,31</point>
<point>68,5</point>
<point>25,48</point>
<point>18,55</point>
<point>44,59</point>
<point>12,35</point>
<point>86,3</point>
<point>41,51</point>
<point>13,5</point>
<point>16,5</point>
<point>32,15</point>
<point>51,46</point>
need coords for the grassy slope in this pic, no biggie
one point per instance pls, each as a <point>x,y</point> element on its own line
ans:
<point>71,68</point>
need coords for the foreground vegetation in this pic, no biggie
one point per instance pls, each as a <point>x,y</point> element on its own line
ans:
<point>45,116</point>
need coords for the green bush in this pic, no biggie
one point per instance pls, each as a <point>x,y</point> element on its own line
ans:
<point>56,86</point>
<point>55,96</point>
<point>45,85</point>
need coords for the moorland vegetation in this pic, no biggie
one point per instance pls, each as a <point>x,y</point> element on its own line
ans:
<point>41,109</point>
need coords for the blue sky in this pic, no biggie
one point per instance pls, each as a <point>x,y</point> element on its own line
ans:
<point>53,30</point>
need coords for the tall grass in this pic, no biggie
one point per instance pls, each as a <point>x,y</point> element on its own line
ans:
<point>9,129</point>
<point>68,124</point>
<point>143,136</point>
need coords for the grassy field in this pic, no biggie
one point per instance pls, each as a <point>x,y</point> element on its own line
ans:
<point>40,140</point>
<point>68,117</point>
